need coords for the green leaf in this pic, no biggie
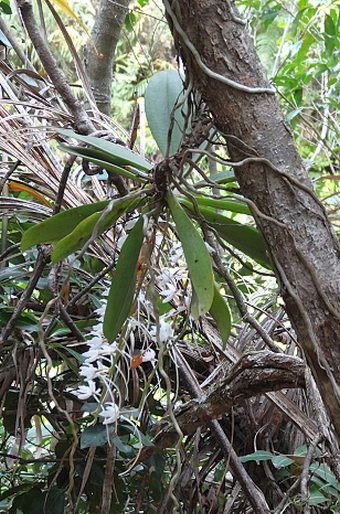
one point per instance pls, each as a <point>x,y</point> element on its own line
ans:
<point>31,502</point>
<point>122,288</point>
<point>6,9</point>
<point>324,487</point>
<point>315,496</point>
<point>164,90</point>
<point>121,446</point>
<point>95,436</point>
<point>281,461</point>
<point>260,455</point>
<point>222,177</point>
<point>330,34</point>
<point>59,225</point>
<point>97,158</point>
<point>217,203</point>
<point>83,232</point>
<point>325,474</point>
<point>196,255</point>
<point>130,21</point>
<point>245,238</point>
<point>55,501</point>
<point>221,314</point>
<point>111,152</point>
<point>194,305</point>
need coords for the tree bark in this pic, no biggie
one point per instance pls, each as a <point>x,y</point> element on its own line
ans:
<point>303,248</point>
<point>100,50</point>
<point>255,373</point>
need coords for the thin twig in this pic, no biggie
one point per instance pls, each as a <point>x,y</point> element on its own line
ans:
<point>43,257</point>
<point>305,474</point>
<point>89,286</point>
<point>62,183</point>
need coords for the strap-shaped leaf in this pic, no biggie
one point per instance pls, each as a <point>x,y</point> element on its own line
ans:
<point>217,203</point>
<point>123,284</point>
<point>243,237</point>
<point>111,152</point>
<point>59,225</point>
<point>221,314</point>
<point>222,177</point>
<point>82,233</point>
<point>164,90</point>
<point>98,157</point>
<point>196,255</point>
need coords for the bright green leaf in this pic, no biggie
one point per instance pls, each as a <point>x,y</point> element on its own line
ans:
<point>217,203</point>
<point>281,461</point>
<point>196,255</point>
<point>122,288</point>
<point>243,237</point>
<point>221,313</point>
<point>164,90</point>
<point>326,488</point>
<point>315,496</point>
<point>111,152</point>
<point>194,305</point>
<point>6,9</point>
<point>92,156</point>
<point>223,177</point>
<point>325,474</point>
<point>83,232</point>
<point>59,225</point>
<point>260,455</point>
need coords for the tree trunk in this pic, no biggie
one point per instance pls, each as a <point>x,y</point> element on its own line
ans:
<point>100,50</point>
<point>303,248</point>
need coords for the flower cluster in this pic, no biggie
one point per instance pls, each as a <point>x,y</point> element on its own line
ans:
<point>100,359</point>
<point>96,370</point>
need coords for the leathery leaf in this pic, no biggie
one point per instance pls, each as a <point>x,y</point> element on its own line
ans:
<point>196,255</point>
<point>60,225</point>
<point>96,224</point>
<point>110,152</point>
<point>96,157</point>
<point>243,237</point>
<point>123,284</point>
<point>221,314</point>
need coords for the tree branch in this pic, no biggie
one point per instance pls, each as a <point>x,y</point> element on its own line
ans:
<point>81,120</point>
<point>101,48</point>
<point>255,373</point>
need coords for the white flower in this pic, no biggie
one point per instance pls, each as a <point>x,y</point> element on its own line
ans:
<point>88,371</point>
<point>148,355</point>
<point>121,241</point>
<point>96,341</point>
<point>130,224</point>
<point>165,332</point>
<point>169,293</point>
<point>101,310</point>
<point>97,330</point>
<point>86,391</point>
<point>168,274</point>
<point>176,254</point>
<point>108,349</point>
<point>110,413</point>
<point>92,355</point>
<point>143,301</point>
